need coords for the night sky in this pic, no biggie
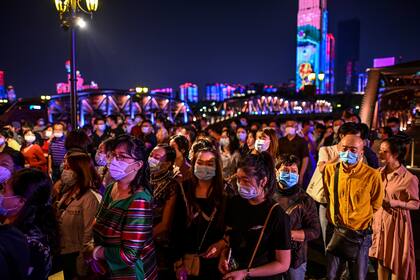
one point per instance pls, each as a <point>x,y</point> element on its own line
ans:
<point>163,43</point>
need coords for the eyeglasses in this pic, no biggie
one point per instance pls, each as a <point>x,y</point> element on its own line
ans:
<point>121,156</point>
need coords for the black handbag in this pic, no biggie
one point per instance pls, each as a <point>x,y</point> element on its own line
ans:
<point>345,243</point>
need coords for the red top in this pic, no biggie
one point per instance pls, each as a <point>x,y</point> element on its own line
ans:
<point>34,156</point>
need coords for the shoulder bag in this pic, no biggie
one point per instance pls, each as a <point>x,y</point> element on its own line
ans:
<point>345,243</point>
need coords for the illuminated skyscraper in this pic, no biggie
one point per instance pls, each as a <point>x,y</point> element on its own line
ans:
<point>315,48</point>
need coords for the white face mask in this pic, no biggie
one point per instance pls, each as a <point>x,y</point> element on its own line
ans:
<point>5,174</point>
<point>58,134</point>
<point>262,145</point>
<point>154,164</point>
<point>241,136</point>
<point>146,129</point>
<point>247,192</point>
<point>48,133</point>
<point>68,177</point>
<point>30,138</point>
<point>101,127</point>
<point>2,140</point>
<point>117,169</point>
<point>336,128</point>
<point>100,159</point>
<point>290,131</point>
<point>224,142</point>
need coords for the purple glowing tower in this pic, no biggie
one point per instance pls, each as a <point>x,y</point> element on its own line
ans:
<point>315,47</point>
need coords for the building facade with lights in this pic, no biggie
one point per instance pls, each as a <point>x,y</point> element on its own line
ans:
<point>315,47</point>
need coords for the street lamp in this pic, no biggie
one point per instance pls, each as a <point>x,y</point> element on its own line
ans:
<point>68,10</point>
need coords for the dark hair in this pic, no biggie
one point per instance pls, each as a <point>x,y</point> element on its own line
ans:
<point>170,153</point>
<point>397,147</point>
<point>6,133</point>
<point>135,148</point>
<point>288,160</point>
<point>387,130</point>
<point>203,143</point>
<point>216,190</point>
<point>113,118</point>
<point>182,143</point>
<point>364,131</point>
<point>35,186</point>
<point>393,120</point>
<point>349,128</point>
<point>87,177</point>
<point>99,119</point>
<point>260,165</point>
<point>58,123</point>
<point>233,142</point>
<point>77,139</point>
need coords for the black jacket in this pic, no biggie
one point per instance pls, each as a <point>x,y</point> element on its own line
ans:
<point>303,215</point>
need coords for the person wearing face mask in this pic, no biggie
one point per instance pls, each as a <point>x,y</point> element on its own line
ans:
<point>203,208</point>
<point>123,230</point>
<point>301,208</point>
<point>354,192</point>
<point>333,138</point>
<point>57,151</point>
<point>6,168</point>
<point>34,157</point>
<point>293,144</point>
<point>229,154</point>
<point>181,145</point>
<point>393,242</point>
<point>40,125</point>
<point>25,204</point>
<point>114,128</point>
<point>147,135</point>
<point>76,206</point>
<point>258,230</point>
<point>383,134</point>
<point>165,188</point>
<point>47,136</point>
<point>100,134</point>
<point>241,136</point>
<point>267,141</point>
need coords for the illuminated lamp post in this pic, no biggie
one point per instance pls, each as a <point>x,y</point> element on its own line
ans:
<point>68,10</point>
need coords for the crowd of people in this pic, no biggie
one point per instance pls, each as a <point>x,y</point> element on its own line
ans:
<point>125,198</point>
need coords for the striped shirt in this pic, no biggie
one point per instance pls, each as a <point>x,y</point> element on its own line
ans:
<point>57,151</point>
<point>124,228</point>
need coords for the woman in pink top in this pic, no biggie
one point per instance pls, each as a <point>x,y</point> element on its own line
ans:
<point>392,239</point>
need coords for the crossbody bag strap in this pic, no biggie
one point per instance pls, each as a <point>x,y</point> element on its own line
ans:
<point>207,229</point>
<point>261,236</point>
<point>336,201</point>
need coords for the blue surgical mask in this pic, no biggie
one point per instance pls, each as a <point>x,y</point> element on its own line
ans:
<point>204,172</point>
<point>247,192</point>
<point>349,157</point>
<point>288,179</point>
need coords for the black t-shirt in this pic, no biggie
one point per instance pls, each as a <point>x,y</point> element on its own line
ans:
<point>246,222</point>
<point>298,147</point>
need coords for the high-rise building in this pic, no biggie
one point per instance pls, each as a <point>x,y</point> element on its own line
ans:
<point>348,48</point>
<point>188,92</point>
<point>315,47</point>
<point>2,86</point>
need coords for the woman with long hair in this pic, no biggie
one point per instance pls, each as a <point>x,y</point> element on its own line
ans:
<point>267,141</point>
<point>205,203</point>
<point>76,208</point>
<point>25,204</point>
<point>123,230</point>
<point>392,239</point>
<point>229,152</point>
<point>181,145</point>
<point>258,230</point>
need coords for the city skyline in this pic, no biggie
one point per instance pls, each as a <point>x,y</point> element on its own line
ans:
<point>164,44</point>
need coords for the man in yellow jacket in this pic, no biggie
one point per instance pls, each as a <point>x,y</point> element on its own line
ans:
<point>360,194</point>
